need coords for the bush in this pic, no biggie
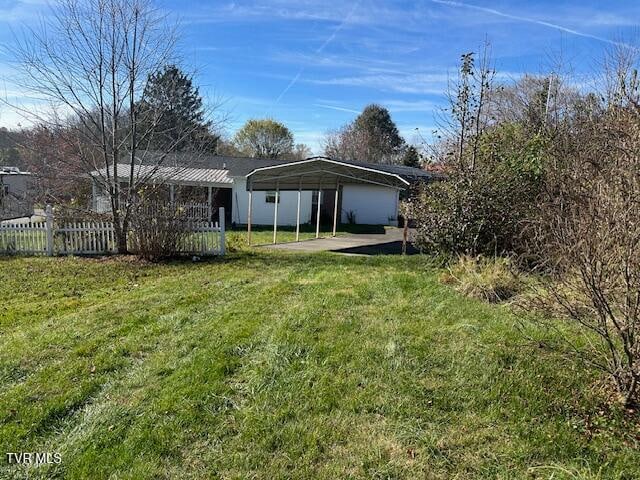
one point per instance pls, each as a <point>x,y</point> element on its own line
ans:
<point>484,210</point>
<point>588,240</point>
<point>490,279</point>
<point>157,233</point>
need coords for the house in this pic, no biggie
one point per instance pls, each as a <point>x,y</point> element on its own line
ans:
<point>15,193</point>
<point>264,191</point>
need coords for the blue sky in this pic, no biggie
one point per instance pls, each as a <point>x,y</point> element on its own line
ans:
<point>314,64</point>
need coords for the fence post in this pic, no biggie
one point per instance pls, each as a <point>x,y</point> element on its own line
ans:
<point>49,229</point>
<point>221,222</point>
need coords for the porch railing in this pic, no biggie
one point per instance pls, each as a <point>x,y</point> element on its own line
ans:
<point>190,210</point>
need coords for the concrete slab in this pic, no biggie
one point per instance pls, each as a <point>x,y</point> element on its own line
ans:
<point>388,243</point>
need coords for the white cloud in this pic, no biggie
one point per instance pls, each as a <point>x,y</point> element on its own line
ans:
<point>375,13</point>
<point>416,83</point>
<point>410,105</point>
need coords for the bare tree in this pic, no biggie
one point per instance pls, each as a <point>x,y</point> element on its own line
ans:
<point>467,115</point>
<point>90,61</point>
<point>589,227</point>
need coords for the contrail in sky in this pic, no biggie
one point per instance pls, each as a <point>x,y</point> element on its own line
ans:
<point>527,20</point>
<point>320,49</point>
<point>291,84</point>
<point>333,107</point>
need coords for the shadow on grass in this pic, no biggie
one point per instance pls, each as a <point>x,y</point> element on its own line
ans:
<point>387,248</point>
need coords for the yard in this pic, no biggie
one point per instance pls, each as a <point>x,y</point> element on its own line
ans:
<point>272,365</point>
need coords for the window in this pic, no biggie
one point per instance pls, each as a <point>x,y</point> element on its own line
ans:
<point>270,197</point>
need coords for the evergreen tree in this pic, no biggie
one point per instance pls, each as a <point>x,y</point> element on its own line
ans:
<point>411,157</point>
<point>173,113</point>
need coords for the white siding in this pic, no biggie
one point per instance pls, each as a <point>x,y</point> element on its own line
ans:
<point>262,213</point>
<point>372,204</point>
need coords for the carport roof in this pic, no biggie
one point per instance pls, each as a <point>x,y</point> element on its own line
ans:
<point>324,173</point>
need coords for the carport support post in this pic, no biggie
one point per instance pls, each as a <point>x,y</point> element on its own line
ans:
<point>249,214</point>
<point>335,208</point>
<point>318,212</point>
<point>275,213</point>
<point>209,196</point>
<point>298,212</point>
<point>172,193</point>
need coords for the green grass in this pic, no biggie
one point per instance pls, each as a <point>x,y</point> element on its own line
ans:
<point>263,234</point>
<point>272,365</point>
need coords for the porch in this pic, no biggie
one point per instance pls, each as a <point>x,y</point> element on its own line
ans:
<point>199,193</point>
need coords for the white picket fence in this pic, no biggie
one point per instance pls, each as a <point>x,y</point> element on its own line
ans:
<point>194,210</point>
<point>84,238</point>
<point>45,237</point>
<point>27,237</point>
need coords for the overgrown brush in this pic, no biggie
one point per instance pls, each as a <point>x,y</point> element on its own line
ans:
<point>493,280</point>
<point>158,233</point>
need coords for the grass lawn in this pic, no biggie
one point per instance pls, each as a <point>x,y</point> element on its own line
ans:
<point>273,365</point>
<point>263,234</point>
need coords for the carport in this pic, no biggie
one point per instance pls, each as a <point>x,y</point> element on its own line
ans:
<point>315,174</point>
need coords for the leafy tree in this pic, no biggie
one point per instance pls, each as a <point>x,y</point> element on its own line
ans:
<point>411,157</point>
<point>384,142</point>
<point>372,137</point>
<point>264,138</point>
<point>181,122</point>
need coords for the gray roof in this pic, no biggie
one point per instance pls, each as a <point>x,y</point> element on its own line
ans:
<point>242,166</point>
<point>217,177</point>
<point>236,166</point>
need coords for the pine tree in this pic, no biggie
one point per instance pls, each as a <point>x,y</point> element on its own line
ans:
<point>411,157</point>
<point>181,124</point>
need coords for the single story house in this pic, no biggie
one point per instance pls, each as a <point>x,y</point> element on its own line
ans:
<point>265,191</point>
<point>15,193</point>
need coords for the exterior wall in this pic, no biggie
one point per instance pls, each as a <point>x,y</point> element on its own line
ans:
<point>16,202</point>
<point>262,212</point>
<point>371,204</point>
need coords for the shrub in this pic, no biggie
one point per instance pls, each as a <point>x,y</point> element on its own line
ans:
<point>589,243</point>
<point>157,233</point>
<point>490,279</point>
<point>484,210</point>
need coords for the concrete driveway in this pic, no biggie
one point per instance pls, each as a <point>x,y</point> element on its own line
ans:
<point>388,243</point>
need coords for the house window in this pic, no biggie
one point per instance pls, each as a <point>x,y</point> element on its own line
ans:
<point>270,197</point>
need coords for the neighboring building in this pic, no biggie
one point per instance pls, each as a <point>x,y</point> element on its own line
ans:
<point>226,181</point>
<point>15,193</point>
